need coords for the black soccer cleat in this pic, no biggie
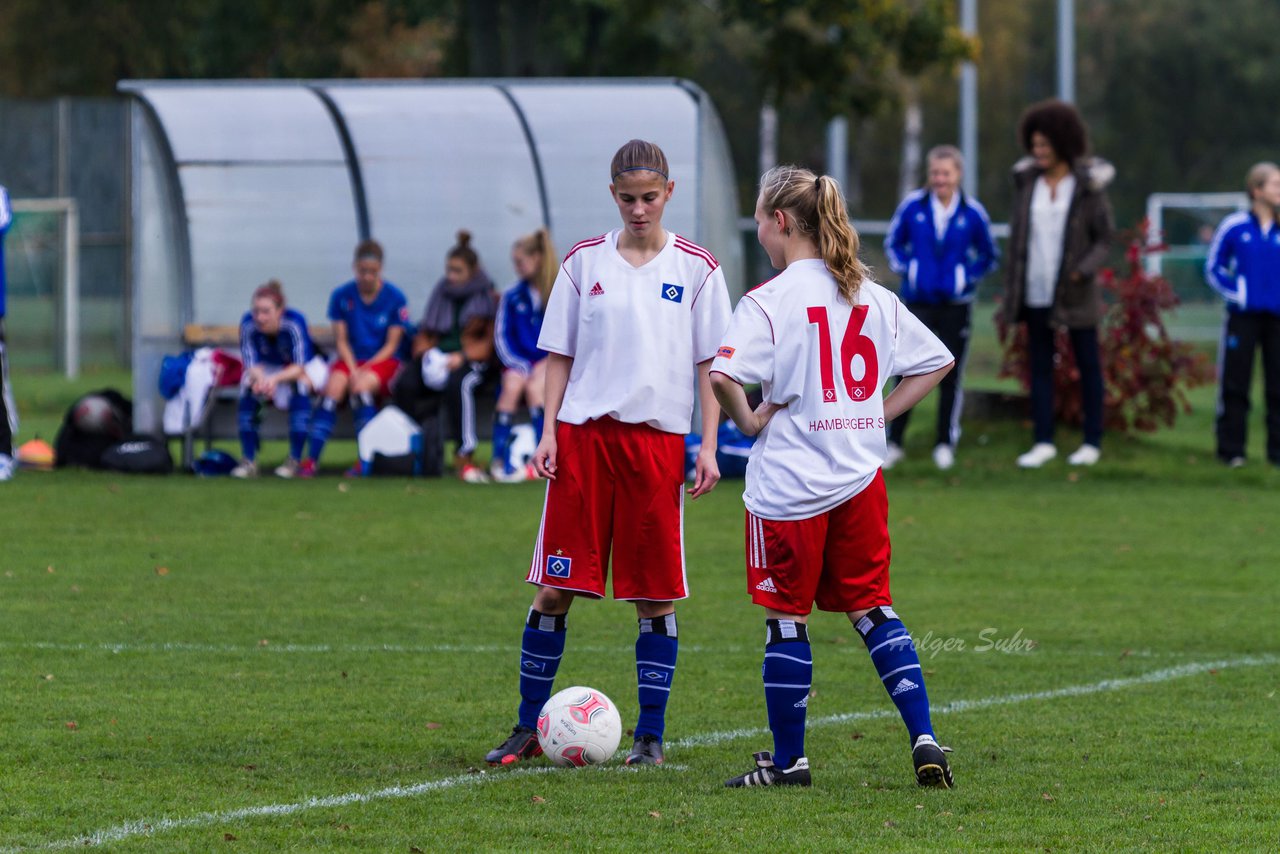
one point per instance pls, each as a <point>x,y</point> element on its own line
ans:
<point>768,774</point>
<point>647,750</point>
<point>932,768</point>
<point>521,744</point>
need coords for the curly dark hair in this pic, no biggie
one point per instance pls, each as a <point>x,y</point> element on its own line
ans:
<point>1062,126</point>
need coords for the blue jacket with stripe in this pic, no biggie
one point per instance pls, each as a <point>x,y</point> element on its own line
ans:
<point>940,271</point>
<point>1244,264</point>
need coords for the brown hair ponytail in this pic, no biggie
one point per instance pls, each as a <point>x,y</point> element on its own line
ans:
<point>272,290</point>
<point>815,206</point>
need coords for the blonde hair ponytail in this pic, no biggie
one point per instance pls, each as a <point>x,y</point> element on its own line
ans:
<point>815,206</point>
<point>539,243</point>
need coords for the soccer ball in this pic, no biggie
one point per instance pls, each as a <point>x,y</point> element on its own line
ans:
<point>95,415</point>
<point>579,726</point>
<point>523,444</point>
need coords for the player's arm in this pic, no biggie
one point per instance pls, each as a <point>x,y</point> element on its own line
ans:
<point>342,344</point>
<point>911,390</point>
<point>557,380</point>
<point>390,344</point>
<point>706,469</point>
<point>733,399</point>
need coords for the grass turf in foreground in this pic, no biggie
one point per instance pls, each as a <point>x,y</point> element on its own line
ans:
<point>228,652</point>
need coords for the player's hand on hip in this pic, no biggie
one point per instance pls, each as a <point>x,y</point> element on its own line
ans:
<point>544,458</point>
<point>764,413</point>
<point>706,473</point>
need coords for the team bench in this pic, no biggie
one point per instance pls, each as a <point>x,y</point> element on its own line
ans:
<point>220,421</point>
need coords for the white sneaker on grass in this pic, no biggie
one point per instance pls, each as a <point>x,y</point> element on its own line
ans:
<point>943,457</point>
<point>1085,455</point>
<point>892,456</point>
<point>246,469</point>
<point>1040,453</point>
<point>7,467</point>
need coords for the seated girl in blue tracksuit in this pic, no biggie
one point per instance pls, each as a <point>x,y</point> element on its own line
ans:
<point>516,337</point>
<point>280,367</point>
<point>940,243</point>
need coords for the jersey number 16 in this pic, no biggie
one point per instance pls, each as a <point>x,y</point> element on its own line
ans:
<point>852,344</point>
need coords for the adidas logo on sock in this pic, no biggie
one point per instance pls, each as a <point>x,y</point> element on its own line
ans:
<point>768,587</point>
<point>904,685</point>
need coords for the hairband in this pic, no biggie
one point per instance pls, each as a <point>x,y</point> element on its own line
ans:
<point>642,168</point>
<point>817,184</point>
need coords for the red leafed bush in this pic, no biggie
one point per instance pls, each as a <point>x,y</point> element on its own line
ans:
<point>1146,374</point>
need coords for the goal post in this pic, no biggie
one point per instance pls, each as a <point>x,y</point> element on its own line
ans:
<point>45,260</point>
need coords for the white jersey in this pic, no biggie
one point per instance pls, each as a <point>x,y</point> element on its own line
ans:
<point>827,363</point>
<point>635,334</point>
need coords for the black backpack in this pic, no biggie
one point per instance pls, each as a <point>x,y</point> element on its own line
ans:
<point>76,447</point>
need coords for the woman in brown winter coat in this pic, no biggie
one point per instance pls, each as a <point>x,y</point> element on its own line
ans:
<point>1059,237</point>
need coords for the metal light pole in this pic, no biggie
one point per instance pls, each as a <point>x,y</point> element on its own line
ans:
<point>969,101</point>
<point>1067,50</point>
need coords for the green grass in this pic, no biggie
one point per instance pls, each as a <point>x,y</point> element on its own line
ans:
<point>179,655</point>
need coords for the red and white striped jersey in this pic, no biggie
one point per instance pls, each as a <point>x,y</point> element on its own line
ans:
<point>827,362</point>
<point>636,334</point>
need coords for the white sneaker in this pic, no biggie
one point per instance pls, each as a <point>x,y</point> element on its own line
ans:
<point>246,469</point>
<point>892,456</point>
<point>943,457</point>
<point>1040,453</point>
<point>287,469</point>
<point>7,467</point>
<point>1085,455</point>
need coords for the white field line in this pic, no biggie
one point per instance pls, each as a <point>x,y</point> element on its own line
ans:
<point>149,827</point>
<point>272,648</point>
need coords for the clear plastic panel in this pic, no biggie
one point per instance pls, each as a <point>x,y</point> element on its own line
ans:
<point>252,223</point>
<point>435,159</point>
<point>577,129</point>
<point>245,123</point>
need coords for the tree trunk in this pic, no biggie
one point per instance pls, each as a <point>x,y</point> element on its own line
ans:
<point>768,134</point>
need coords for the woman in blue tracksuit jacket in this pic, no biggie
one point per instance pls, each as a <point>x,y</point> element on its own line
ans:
<point>940,243</point>
<point>1244,267</point>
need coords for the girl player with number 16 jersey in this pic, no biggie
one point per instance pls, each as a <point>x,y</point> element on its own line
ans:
<point>631,327</point>
<point>821,338</point>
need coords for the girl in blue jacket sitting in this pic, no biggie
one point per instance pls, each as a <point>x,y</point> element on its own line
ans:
<point>516,336</point>
<point>940,243</point>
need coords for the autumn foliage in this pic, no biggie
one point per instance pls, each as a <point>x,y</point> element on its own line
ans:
<point>1146,373</point>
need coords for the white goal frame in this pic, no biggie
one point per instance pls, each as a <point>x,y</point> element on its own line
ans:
<point>70,284</point>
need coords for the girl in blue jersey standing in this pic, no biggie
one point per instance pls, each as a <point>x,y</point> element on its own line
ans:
<point>1244,267</point>
<point>516,336</point>
<point>940,243</point>
<point>278,354</point>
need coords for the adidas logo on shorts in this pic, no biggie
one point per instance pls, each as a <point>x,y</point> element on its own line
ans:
<point>768,587</point>
<point>903,686</point>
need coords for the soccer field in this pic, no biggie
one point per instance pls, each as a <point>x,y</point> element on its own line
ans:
<point>196,665</point>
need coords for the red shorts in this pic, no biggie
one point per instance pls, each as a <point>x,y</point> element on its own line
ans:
<point>619,487</point>
<point>384,368</point>
<point>839,559</point>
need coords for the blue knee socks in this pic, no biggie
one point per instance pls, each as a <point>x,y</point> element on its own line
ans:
<point>502,439</point>
<point>656,649</point>
<point>541,649</point>
<point>365,408</point>
<point>895,659</point>
<point>322,419</point>
<point>299,420</point>
<point>247,422</point>
<point>788,677</point>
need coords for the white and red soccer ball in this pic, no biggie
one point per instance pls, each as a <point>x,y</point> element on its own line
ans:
<point>579,726</point>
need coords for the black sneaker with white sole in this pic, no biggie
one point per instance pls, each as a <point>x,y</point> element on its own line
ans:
<point>768,774</point>
<point>932,768</point>
<point>647,750</point>
<point>521,744</point>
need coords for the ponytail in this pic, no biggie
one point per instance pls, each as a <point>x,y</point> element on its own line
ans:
<point>272,290</point>
<point>816,208</point>
<point>539,243</point>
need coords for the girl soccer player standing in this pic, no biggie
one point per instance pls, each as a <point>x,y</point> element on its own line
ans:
<point>821,338</point>
<point>524,365</point>
<point>631,327</point>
